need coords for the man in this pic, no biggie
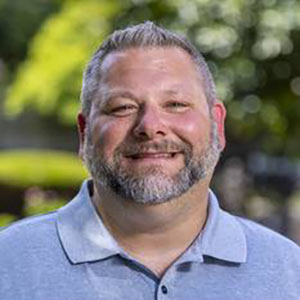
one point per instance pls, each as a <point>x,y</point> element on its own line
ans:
<point>147,226</point>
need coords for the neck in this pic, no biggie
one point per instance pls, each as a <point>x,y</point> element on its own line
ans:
<point>156,235</point>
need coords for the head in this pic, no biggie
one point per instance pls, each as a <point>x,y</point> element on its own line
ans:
<point>150,126</point>
<point>145,35</point>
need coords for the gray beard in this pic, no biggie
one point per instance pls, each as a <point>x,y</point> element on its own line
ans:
<point>154,186</point>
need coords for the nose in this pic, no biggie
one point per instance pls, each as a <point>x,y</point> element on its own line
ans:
<point>150,125</point>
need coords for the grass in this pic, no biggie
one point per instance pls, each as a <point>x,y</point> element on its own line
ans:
<point>44,168</point>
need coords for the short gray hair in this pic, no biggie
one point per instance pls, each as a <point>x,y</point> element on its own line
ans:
<point>144,35</point>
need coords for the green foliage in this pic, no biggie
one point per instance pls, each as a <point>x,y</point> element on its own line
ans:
<point>25,168</point>
<point>50,79</point>
<point>18,23</point>
<point>33,206</point>
<point>6,219</point>
<point>251,47</point>
<point>41,206</point>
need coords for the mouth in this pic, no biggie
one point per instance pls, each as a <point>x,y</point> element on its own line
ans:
<point>152,155</point>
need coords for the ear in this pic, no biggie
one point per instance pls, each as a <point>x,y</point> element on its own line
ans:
<point>219,115</point>
<point>81,126</point>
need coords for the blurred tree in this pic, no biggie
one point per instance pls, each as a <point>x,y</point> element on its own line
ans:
<point>36,181</point>
<point>19,21</point>
<point>252,48</point>
<point>46,169</point>
<point>50,78</point>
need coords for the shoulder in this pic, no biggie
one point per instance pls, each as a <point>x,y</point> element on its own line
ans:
<point>27,236</point>
<point>266,245</point>
<point>258,233</point>
<point>29,225</point>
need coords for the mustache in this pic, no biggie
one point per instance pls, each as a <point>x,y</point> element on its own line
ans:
<point>162,146</point>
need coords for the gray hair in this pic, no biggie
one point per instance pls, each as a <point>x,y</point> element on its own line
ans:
<point>145,35</point>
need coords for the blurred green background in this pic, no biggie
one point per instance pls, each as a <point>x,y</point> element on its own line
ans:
<point>252,48</point>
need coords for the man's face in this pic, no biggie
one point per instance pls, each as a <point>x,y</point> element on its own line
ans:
<point>150,134</point>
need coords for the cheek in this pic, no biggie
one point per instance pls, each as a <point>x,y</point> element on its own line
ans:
<point>108,135</point>
<point>192,127</point>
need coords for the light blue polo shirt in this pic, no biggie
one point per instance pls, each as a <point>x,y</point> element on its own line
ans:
<point>69,255</point>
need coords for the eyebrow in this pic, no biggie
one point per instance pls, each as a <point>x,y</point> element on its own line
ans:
<point>172,92</point>
<point>107,94</point>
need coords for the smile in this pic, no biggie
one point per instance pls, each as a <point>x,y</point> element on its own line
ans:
<point>151,155</point>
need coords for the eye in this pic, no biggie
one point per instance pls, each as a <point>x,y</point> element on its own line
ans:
<point>123,110</point>
<point>177,106</point>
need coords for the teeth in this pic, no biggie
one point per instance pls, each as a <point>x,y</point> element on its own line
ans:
<point>153,155</point>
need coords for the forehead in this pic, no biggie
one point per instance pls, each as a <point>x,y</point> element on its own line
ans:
<point>149,64</point>
<point>153,55</point>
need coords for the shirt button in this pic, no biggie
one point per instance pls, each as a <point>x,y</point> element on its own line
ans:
<point>164,289</point>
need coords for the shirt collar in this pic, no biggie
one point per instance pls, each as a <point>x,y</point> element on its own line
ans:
<point>223,236</point>
<point>85,238</point>
<point>82,232</point>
